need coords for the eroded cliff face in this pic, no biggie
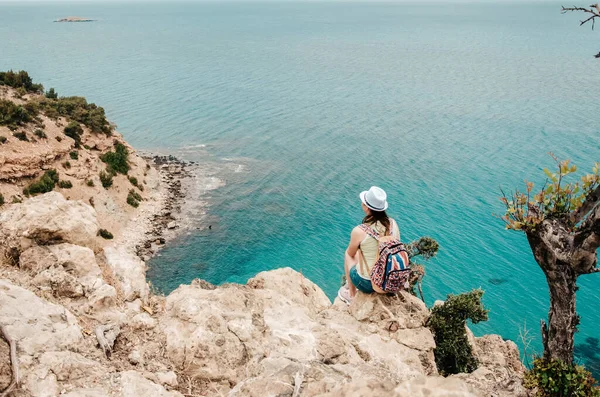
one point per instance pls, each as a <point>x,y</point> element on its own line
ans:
<point>278,335</point>
<point>23,162</point>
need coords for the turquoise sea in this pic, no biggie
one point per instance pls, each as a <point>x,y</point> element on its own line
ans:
<point>298,106</point>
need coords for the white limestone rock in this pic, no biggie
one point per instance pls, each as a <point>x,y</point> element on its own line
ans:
<point>134,384</point>
<point>51,219</point>
<point>38,325</point>
<point>143,321</point>
<point>130,270</point>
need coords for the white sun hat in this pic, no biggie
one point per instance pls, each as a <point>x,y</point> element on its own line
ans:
<point>375,199</point>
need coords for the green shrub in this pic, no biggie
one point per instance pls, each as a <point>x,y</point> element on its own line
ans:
<point>133,180</point>
<point>106,179</point>
<point>86,147</point>
<point>65,184</point>
<point>44,185</point>
<point>117,161</point>
<point>132,202</point>
<point>74,130</point>
<point>40,134</point>
<point>19,79</point>
<point>51,113</point>
<point>13,115</point>
<point>74,155</point>
<point>67,164</point>
<point>453,353</point>
<point>105,234</point>
<point>133,198</point>
<point>21,136</point>
<point>1,199</point>
<point>90,183</point>
<point>3,139</point>
<point>16,200</point>
<point>51,94</point>
<point>554,378</point>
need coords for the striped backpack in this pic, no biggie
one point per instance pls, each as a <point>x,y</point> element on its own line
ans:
<point>391,271</point>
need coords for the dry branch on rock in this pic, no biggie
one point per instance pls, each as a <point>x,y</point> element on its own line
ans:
<point>14,361</point>
<point>106,336</point>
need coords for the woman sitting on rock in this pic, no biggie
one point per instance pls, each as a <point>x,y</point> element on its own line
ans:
<point>363,249</point>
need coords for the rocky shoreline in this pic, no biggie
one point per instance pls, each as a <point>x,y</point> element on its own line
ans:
<point>164,223</point>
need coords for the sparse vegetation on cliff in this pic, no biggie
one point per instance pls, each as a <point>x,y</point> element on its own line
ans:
<point>77,109</point>
<point>40,134</point>
<point>73,108</point>
<point>105,234</point>
<point>555,378</point>
<point>13,115</point>
<point>106,179</point>
<point>20,79</point>
<point>44,185</point>
<point>133,198</point>
<point>21,136</point>
<point>65,184</point>
<point>117,161</point>
<point>74,130</point>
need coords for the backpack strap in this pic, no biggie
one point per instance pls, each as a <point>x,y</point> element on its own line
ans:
<point>370,231</point>
<point>362,261</point>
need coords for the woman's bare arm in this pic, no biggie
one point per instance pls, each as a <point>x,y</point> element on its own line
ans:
<point>356,237</point>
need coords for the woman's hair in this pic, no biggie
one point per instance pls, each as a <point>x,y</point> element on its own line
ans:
<point>378,216</point>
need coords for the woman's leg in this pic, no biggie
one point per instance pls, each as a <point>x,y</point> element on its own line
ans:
<point>348,263</point>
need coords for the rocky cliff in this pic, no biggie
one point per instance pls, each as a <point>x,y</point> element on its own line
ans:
<point>85,324</point>
<point>30,149</point>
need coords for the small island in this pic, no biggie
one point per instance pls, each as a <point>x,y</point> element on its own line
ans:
<point>74,19</point>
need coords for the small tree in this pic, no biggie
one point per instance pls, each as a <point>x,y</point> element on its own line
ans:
<point>453,353</point>
<point>426,248</point>
<point>51,94</point>
<point>562,225</point>
<point>74,130</point>
<point>117,161</point>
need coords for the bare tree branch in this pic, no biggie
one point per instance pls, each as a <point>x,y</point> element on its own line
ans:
<point>594,9</point>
